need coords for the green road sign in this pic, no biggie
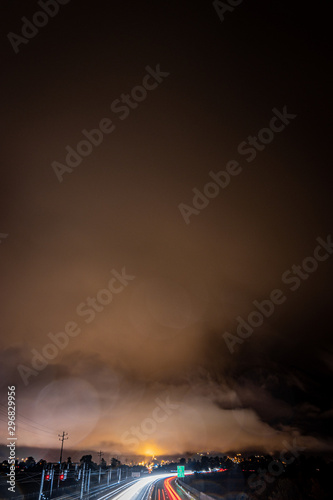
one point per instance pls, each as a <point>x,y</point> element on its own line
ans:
<point>180,471</point>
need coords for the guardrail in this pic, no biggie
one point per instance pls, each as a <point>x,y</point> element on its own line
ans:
<point>192,492</point>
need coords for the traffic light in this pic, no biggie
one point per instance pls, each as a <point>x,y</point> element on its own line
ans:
<point>63,475</point>
<point>47,476</point>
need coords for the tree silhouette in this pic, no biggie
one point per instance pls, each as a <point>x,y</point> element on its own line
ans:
<point>115,463</point>
<point>30,462</point>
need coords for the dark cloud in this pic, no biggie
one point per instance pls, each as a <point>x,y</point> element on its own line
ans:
<point>162,336</point>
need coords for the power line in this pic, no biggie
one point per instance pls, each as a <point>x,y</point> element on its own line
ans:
<point>4,409</point>
<point>19,417</point>
<point>21,424</point>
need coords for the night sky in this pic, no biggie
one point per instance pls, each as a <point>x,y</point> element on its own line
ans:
<point>156,365</point>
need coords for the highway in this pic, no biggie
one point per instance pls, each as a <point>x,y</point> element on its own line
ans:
<point>153,487</point>
<point>167,489</point>
<point>99,492</point>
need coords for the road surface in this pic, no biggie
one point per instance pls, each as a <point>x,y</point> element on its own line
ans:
<point>148,488</point>
<point>153,487</point>
<point>167,489</point>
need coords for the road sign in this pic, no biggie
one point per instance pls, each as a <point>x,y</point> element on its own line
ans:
<point>180,471</point>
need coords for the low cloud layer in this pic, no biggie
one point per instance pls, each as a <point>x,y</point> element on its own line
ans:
<point>125,350</point>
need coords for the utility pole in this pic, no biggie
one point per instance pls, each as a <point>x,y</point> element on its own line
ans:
<point>100,453</point>
<point>52,477</point>
<point>62,438</point>
<point>82,481</point>
<point>89,481</point>
<point>86,480</point>
<point>41,484</point>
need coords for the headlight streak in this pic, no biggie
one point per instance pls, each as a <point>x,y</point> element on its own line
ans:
<point>172,493</point>
<point>134,490</point>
